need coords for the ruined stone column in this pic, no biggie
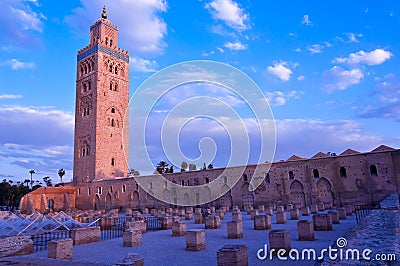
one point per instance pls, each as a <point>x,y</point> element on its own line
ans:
<point>279,239</point>
<point>233,255</point>
<point>305,230</point>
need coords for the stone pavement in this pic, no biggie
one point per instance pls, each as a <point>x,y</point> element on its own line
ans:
<point>379,231</point>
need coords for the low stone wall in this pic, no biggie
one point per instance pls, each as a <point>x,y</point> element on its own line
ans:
<point>85,235</point>
<point>15,246</point>
<point>60,249</point>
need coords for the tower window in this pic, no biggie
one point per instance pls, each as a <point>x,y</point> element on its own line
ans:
<point>115,87</point>
<point>84,87</point>
<point>373,170</point>
<point>85,69</point>
<point>245,178</point>
<point>116,71</point>
<point>89,85</point>
<point>99,190</point>
<point>111,189</point>
<point>123,188</point>
<point>112,123</point>
<point>111,41</point>
<point>111,69</point>
<point>291,175</point>
<point>106,40</point>
<point>183,182</point>
<point>112,161</point>
<point>111,86</point>
<point>113,110</point>
<point>207,180</point>
<point>88,191</point>
<point>343,173</point>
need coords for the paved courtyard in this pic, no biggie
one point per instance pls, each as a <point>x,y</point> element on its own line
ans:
<point>160,248</point>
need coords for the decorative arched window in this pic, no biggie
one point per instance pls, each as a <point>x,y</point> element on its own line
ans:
<point>113,110</point>
<point>116,71</point>
<point>291,175</point>
<point>89,85</point>
<point>316,173</point>
<point>84,87</point>
<point>342,172</point>
<point>111,68</point>
<point>373,170</point>
<point>106,40</point>
<point>111,42</point>
<point>82,71</point>
<point>85,67</point>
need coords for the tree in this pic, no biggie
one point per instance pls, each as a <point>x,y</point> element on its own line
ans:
<point>32,172</point>
<point>210,166</point>
<point>61,173</point>
<point>204,166</point>
<point>47,181</point>
<point>184,166</point>
<point>161,167</point>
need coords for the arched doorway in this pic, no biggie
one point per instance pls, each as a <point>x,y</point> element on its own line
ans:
<point>226,198</point>
<point>108,202</point>
<point>186,199</point>
<point>96,203</point>
<point>297,193</point>
<point>247,196</point>
<point>135,198</point>
<point>50,204</point>
<point>206,195</point>
<point>324,191</point>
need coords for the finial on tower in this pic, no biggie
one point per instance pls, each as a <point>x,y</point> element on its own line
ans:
<point>104,15</point>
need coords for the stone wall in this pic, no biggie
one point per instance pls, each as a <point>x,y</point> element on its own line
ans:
<point>85,235</point>
<point>15,246</point>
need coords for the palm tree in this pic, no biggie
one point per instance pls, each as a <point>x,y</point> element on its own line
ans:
<point>32,172</point>
<point>61,173</point>
<point>161,166</point>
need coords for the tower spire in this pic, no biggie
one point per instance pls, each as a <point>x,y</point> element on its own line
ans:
<point>104,15</point>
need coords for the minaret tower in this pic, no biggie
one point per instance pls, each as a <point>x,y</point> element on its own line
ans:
<point>102,96</point>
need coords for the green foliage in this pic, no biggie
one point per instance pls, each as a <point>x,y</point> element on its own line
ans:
<point>11,194</point>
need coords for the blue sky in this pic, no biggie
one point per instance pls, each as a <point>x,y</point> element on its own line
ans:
<point>331,72</point>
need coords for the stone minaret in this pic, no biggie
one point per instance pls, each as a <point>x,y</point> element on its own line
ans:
<point>102,96</point>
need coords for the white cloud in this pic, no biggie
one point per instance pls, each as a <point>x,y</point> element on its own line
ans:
<point>280,70</point>
<point>230,13</point>
<point>19,21</point>
<point>220,49</point>
<point>141,28</point>
<point>375,57</point>
<point>39,138</point>
<point>10,96</point>
<point>143,65</point>
<point>301,77</point>
<point>16,65</point>
<point>338,135</point>
<point>279,98</point>
<point>306,21</point>
<point>315,48</point>
<point>235,46</point>
<point>352,37</point>
<point>341,79</point>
